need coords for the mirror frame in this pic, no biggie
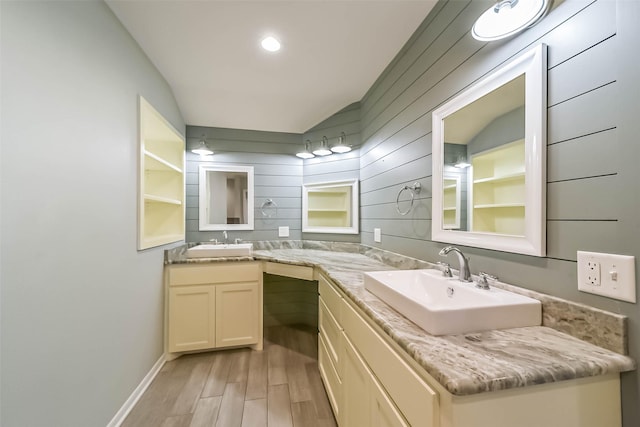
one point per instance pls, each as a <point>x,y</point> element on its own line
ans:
<point>355,199</point>
<point>533,64</point>
<point>203,197</point>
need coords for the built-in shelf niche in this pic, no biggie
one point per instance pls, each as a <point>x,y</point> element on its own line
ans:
<point>330,207</point>
<point>161,205</point>
<point>451,202</point>
<point>499,190</point>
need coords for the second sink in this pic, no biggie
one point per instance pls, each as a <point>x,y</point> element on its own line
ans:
<point>226,250</point>
<point>443,306</point>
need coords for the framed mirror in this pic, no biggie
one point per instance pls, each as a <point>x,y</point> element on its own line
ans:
<point>330,207</point>
<point>490,141</point>
<point>225,197</point>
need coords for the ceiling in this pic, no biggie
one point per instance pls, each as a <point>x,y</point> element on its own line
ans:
<point>209,52</point>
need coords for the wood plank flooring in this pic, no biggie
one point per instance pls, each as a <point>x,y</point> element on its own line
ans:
<point>277,387</point>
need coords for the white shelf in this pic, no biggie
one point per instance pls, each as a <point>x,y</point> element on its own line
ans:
<point>160,199</point>
<point>494,179</point>
<point>156,163</point>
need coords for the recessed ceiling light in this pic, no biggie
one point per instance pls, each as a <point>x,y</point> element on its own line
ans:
<point>271,44</point>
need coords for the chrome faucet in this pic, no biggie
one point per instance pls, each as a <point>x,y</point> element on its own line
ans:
<point>464,273</point>
<point>226,237</point>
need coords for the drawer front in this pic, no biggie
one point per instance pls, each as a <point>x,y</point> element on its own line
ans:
<point>331,333</point>
<point>231,272</point>
<point>329,376</point>
<point>416,400</point>
<point>331,298</point>
<point>289,270</point>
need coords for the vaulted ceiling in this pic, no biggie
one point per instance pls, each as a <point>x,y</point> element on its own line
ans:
<point>209,52</point>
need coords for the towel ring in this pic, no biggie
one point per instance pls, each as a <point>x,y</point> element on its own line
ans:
<point>414,189</point>
<point>272,209</point>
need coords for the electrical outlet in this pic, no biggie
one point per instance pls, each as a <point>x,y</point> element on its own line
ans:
<point>283,231</point>
<point>592,272</point>
<point>377,235</point>
<point>608,275</point>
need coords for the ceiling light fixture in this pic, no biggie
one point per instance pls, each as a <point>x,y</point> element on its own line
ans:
<point>202,148</point>
<point>341,146</point>
<point>323,149</point>
<point>508,17</point>
<point>305,154</point>
<point>270,44</point>
<point>462,164</point>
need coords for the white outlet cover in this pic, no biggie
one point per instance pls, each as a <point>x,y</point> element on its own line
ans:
<point>377,235</point>
<point>283,231</point>
<point>608,275</point>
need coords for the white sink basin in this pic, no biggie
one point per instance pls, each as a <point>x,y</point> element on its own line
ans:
<point>443,306</point>
<point>213,251</point>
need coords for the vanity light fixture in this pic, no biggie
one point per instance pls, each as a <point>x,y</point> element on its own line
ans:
<point>508,17</point>
<point>306,154</point>
<point>341,146</point>
<point>323,149</point>
<point>202,148</point>
<point>270,44</point>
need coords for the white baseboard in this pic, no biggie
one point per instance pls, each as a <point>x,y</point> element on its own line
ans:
<point>137,394</point>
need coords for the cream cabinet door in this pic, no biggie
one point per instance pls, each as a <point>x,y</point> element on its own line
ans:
<point>191,318</point>
<point>237,314</point>
<point>356,389</point>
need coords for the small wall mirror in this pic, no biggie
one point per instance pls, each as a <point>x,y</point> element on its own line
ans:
<point>225,197</point>
<point>489,160</point>
<point>330,207</point>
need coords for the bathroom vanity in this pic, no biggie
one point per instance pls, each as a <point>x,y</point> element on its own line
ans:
<point>380,369</point>
<point>213,305</point>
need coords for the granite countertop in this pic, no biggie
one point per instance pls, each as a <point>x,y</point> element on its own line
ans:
<point>463,364</point>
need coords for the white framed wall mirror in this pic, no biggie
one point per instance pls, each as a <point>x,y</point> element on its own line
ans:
<point>492,139</point>
<point>226,200</point>
<point>330,207</point>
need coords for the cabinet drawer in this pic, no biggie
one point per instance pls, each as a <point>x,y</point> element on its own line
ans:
<point>415,399</point>
<point>289,270</point>
<point>329,376</point>
<point>208,274</point>
<point>331,298</point>
<point>331,333</point>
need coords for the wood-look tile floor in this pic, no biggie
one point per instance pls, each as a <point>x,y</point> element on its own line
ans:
<point>279,386</point>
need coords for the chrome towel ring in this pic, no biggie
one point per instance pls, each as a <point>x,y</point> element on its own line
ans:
<point>414,189</point>
<point>269,209</point>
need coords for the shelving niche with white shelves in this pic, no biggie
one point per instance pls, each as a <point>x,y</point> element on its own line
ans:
<point>451,202</point>
<point>499,190</point>
<point>330,207</point>
<point>161,217</point>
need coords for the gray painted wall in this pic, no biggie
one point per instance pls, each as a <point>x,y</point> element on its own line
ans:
<point>593,196</point>
<point>82,310</point>
<point>337,167</point>
<point>277,176</point>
